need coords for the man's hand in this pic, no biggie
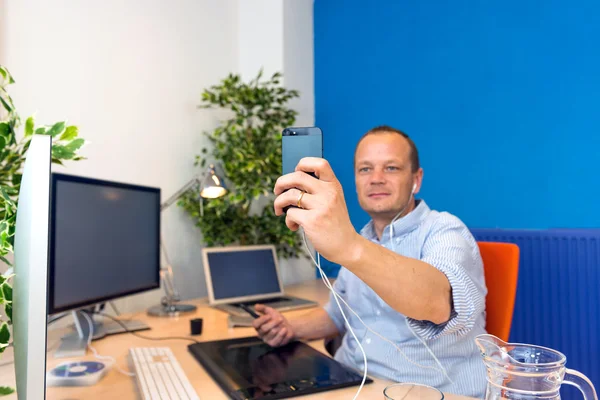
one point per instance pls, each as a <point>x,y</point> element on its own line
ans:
<point>323,214</point>
<point>272,327</point>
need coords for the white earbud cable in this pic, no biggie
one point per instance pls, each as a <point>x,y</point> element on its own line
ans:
<point>98,356</point>
<point>337,296</point>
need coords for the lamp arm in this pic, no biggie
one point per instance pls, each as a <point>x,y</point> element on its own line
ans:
<point>166,273</point>
<point>171,292</point>
<point>167,203</point>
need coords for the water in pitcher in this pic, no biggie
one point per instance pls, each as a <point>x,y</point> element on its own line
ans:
<point>525,372</point>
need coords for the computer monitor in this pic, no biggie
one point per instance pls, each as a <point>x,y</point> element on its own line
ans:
<point>104,244</point>
<point>31,266</point>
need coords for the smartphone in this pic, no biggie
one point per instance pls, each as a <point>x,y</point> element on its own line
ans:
<point>297,143</point>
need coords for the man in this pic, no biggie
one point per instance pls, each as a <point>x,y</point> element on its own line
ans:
<point>413,275</point>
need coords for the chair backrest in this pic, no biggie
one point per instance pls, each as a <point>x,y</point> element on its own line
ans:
<point>501,268</point>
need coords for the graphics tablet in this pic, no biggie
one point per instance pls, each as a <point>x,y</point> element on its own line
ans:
<point>247,368</point>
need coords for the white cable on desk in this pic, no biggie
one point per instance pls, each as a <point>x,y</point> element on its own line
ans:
<point>98,356</point>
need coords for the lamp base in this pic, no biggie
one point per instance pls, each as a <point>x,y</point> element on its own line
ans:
<point>172,310</point>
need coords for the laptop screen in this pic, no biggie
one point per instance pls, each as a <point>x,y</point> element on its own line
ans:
<point>242,272</point>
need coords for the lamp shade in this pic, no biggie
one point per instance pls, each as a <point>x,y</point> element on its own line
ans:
<point>213,186</point>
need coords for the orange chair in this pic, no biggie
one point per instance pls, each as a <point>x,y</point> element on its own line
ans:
<point>501,269</point>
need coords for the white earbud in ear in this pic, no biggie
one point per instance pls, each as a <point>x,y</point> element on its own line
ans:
<point>414,188</point>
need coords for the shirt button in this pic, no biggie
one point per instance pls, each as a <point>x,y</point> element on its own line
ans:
<point>368,340</point>
<point>377,312</point>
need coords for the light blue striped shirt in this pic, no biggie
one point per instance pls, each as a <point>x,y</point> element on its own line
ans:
<point>442,240</point>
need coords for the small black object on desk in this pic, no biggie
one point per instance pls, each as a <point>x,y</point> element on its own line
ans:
<point>196,326</point>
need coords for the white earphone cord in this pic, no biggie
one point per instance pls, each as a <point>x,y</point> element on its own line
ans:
<point>337,296</point>
<point>419,338</point>
<point>98,356</point>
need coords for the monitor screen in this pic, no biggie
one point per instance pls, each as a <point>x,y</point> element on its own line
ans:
<point>242,272</point>
<point>105,239</point>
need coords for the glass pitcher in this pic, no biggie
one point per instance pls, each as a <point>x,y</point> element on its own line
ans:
<point>525,372</point>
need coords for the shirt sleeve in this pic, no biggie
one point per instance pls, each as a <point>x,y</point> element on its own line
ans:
<point>332,308</point>
<point>451,248</point>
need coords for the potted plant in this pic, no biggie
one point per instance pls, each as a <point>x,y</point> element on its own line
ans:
<point>65,145</point>
<point>248,147</point>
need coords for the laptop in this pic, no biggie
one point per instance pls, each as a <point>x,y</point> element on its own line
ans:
<point>246,275</point>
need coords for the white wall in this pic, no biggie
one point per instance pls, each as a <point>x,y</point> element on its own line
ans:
<point>260,37</point>
<point>277,35</point>
<point>298,57</point>
<point>130,73</point>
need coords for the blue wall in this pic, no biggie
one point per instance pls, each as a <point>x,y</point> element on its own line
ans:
<point>502,99</point>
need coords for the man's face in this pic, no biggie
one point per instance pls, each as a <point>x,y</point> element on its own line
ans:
<point>383,174</point>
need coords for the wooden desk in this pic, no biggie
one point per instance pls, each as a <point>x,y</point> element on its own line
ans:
<point>118,386</point>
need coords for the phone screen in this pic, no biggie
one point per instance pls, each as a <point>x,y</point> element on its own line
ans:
<point>298,143</point>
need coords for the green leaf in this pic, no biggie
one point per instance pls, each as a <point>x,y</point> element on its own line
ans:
<point>16,179</point>
<point>61,153</point>
<point>4,333</point>
<point>4,195</point>
<point>6,75</point>
<point>7,104</point>
<point>8,311</point>
<point>7,291</point>
<point>5,390</point>
<point>4,129</point>
<point>41,131</point>
<point>70,133</point>
<point>29,123</point>
<point>56,129</point>
<point>75,145</point>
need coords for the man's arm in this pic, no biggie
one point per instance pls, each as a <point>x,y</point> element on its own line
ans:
<point>451,252</point>
<point>412,287</point>
<point>451,248</point>
<point>276,330</point>
<point>316,324</point>
<point>415,288</point>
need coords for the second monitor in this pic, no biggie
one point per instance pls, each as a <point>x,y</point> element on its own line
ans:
<point>105,243</point>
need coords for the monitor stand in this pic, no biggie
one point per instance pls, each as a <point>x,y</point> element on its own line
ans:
<point>75,344</point>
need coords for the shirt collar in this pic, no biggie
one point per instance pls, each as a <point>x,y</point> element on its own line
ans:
<point>401,226</point>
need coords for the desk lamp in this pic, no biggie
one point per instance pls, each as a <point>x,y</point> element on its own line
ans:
<point>212,186</point>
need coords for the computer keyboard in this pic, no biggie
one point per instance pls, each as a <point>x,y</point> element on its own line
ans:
<point>159,375</point>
